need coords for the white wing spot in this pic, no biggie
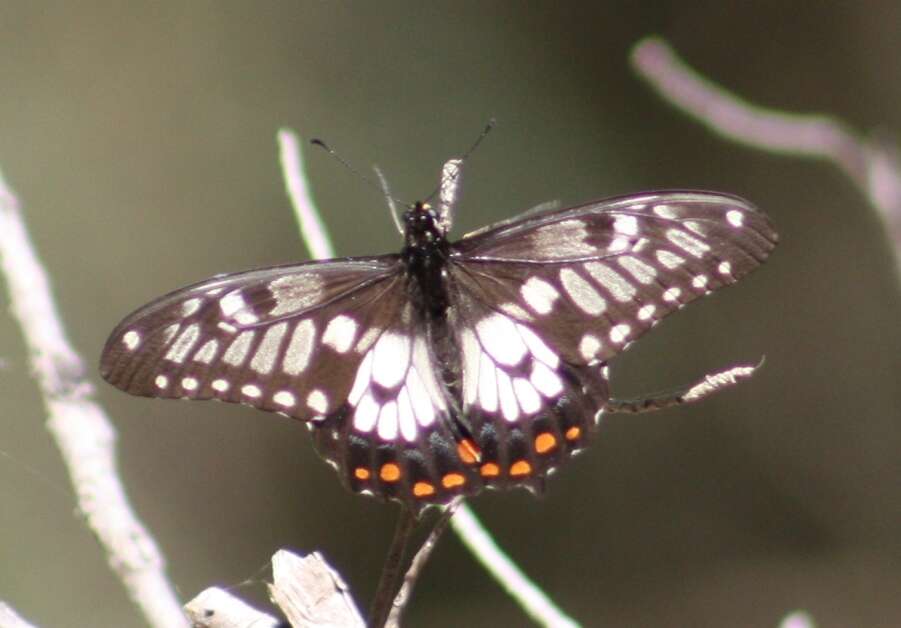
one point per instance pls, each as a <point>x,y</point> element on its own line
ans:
<point>669,259</point>
<point>614,283</point>
<point>735,217</point>
<point>665,211</point>
<point>169,332</point>
<point>546,380</point>
<point>471,351</point>
<point>340,333</point>
<point>388,421</point>
<point>300,348</point>
<point>581,292</point>
<point>687,242</point>
<point>620,332</point>
<point>539,295</point>
<point>207,353</point>
<point>695,227</point>
<point>190,306</point>
<point>725,268</point>
<point>233,306</point>
<point>391,359</point>
<point>643,273</point>
<point>182,345</point>
<point>419,398</point>
<point>627,225</point>
<point>619,243</point>
<point>499,337</point>
<point>537,347</point>
<point>366,414</point>
<point>487,384</point>
<point>284,398</point>
<point>646,312</point>
<point>226,327</point>
<point>562,239</point>
<point>672,295</point>
<point>361,381</point>
<point>189,383</point>
<point>699,281</point>
<point>405,418</point>
<point>239,348</point>
<point>509,407</point>
<point>251,390</point>
<point>131,339</point>
<point>293,293</point>
<point>219,385</point>
<point>515,311</point>
<point>527,396</point>
<point>367,339</point>
<point>267,352</point>
<point>161,381</point>
<point>589,347</point>
<point>317,401</point>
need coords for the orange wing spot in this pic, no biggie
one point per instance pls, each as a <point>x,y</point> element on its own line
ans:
<point>490,470</point>
<point>362,474</point>
<point>544,442</point>
<point>390,472</point>
<point>468,451</point>
<point>573,433</point>
<point>423,489</point>
<point>520,468</point>
<point>452,480</point>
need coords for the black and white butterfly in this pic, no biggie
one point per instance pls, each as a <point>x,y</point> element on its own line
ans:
<point>452,366</point>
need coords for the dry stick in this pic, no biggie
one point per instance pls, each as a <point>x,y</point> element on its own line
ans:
<point>10,619</point>
<point>389,581</point>
<point>418,563</point>
<point>872,166</point>
<point>80,428</point>
<point>465,524</point>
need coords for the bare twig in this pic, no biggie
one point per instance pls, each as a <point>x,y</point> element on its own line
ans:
<point>874,167</point>
<point>418,563</point>
<point>392,570</point>
<point>797,619</point>
<point>79,426</point>
<point>465,524</point>
<point>710,384</point>
<point>312,229</point>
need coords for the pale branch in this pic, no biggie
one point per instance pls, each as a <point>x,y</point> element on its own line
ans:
<point>311,593</point>
<point>701,389</point>
<point>80,428</point>
<point>873,166</point>
<point>217,608</point>
<point>9,618</point>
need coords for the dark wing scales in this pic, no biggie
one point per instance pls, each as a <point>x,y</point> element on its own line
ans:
<point>594,278</point>
<point>526,408</point>
<point>287,339</point>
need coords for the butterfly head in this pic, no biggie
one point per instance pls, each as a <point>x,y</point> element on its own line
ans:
<point>422,226</point>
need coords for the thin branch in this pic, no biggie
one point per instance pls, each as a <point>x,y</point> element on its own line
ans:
<point>392,570</point>
<point>797,619</point>
<point>217,608</point>
<point>874,167</point>
<point>311,593</point>
<point>80,428</point>
<point>532,599</point>
<point>9,618</point>
<point>701,389</point>
<point>465,524</point>
<point>418,563</point>
<point>312,229</point>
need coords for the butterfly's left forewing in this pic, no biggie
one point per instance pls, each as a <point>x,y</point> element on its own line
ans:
<point>287,339</point>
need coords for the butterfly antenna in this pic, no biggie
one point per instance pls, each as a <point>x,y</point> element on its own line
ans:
<point>392,205</point>
<point>383,188</point>
<point>459,161</point>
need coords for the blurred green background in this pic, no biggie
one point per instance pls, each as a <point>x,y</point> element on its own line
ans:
<point>140,138</point>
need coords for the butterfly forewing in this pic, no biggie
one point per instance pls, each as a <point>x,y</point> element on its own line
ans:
<point>287,339</point>
<point>591,279</point>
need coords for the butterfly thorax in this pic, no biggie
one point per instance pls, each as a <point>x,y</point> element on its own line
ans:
<point>425,257</point>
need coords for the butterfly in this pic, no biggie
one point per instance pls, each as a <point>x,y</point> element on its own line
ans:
<point>452,366</point>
